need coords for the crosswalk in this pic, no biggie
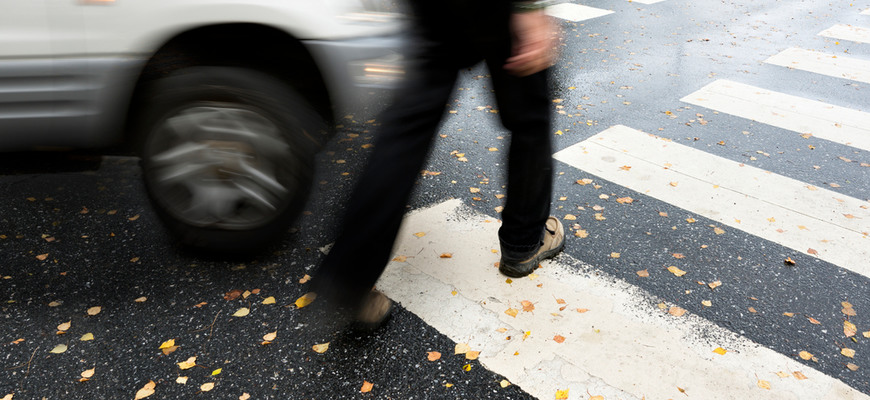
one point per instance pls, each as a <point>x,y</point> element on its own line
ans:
<point>571,331</point>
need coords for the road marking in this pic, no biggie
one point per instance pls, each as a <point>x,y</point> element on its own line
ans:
<point>822,63</point>
<point>866,12</point>
<point>774,207</point>
<point>837,124</point>
<point>847,32</point>
<point>576,12</point>
<point>622,347</point>
<point>645,1</point>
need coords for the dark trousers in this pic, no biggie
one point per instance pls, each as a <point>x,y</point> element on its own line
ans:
<point>377,205</point>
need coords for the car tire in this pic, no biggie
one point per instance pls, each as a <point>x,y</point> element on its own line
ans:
<point>227,156</point>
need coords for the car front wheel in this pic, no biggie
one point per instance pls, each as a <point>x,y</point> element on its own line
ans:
<point>227,156</point>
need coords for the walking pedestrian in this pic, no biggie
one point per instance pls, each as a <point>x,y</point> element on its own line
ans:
<point>516,39</point>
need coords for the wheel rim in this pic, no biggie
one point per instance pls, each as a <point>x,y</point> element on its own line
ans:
<point>221,166</point>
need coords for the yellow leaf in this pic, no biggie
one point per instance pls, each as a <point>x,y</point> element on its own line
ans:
<point>562,394</point>
<point>433,356</point>
<point>305,300</point>
<point>366,387</point>
<point>446,255</point>
<point>674,184</point>
<point>461,348</point>
<point>87,336</point>
<point>472,355</point>
<point>570,217</point>
<point>269,300</point>
<point>140,299</point>
<point>305,278</point>
<point>512,312</point>
<point>64,326</point>
<point>217,371</point>
<point>420,234</point>
<point>849,329</point>
<point>690,220</point>
<point>614,255</point>
<point>244,396</point>
<point>8,396</point>
<point>581,233</point>
<point>782,374</point>
<point>244,311</point>
<point>181,380</point>
<point>466,367</point>
<point>146,390</point>
<point>270,336</point>
<point>88,373</point>
<point>866,334</point>
<point>714,285</point>
<point>805,355</point>
<point>474,190</point>
<point>848,352</point>
<point>720,351</point>
<point>643,273</point>
<point>504,383</point>
<point>321,348</point>
<point>852,367</point>
<point>58,349</point>
<point>764,384</point>
<point>800,376</point>
<point>677,311</point>
<point>599,397</point>
<point>400,259</point>
<point>190,363</point>
<point>168,343</point>
<point>718,231</point>
<point>582,310</point>
<point>95,310</point>
<point>707,303</point>
<point>676,271</point>
<point>449,384</point>
<point>207,386</point>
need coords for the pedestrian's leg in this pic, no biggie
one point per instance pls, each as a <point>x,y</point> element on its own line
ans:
<point>377,204</point>
<point>524,105</point>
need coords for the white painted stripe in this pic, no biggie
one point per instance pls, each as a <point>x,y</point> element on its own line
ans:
<point>774,207</point>
<point>866,12</point>
<point>576,12</point>
<point>847,32</point>
<point>822,63</point>
<point>645,1</point>
<point>624,347</point>
<point>837,124</point>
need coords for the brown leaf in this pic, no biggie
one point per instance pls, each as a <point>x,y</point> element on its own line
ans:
<point>366,387</point>
<point>678,255</point>
<point>512,312</point>
<point>789,261</point>
<point>676,271</point>
<point>849,329</point>
<point>472,355</point>
<point>528,306</point>
<point>558,338</point>
<point>321,348</point>
<point>852,367</point>
<point>677,311</point>
<point>233,294</point>
<point>146,390</point>
<point>812,251</point>
<point>64,326</point>
<point>813,320</point>
<point>446,255</point>
<point>643,273</point>
<point>433,356</point>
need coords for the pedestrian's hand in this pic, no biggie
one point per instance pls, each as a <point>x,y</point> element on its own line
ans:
<point>535,36</point>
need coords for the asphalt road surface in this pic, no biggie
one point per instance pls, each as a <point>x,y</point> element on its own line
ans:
<point>713,171</point>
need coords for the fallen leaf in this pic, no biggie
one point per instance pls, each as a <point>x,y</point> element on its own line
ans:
<point>849,329</point>
<point>199,305</point>
<point>558,338</point>
<point>512,312</point>
<point>504,383</point>
<point>433,356</point>
<point>244,396</point>
<point>813,321</point>
<point>169,350</point>
<point>190,363</point>
<point>663,214</point>
<point>714,285</point>
<point>207,386</point>
<point>584,181</point>
<point>474,190</point>
<point>269,300</point>
<point>812,251</point>
<point>42,257</point>
<point>718,231</point>
<point>305,300</point>
<point>461,348</point>
<point>624,200</point>
<point>677,311</point>
<point>472,355</point>
<point>562,394</point>
<point>848,352</point>
<point>400,259</point>
<point>676,271</point>
<point>55,303</point>
<point>581,233</point>
<point>720,351</point>
<point>690,220</point>
<point>182,380</point>
<point>800,376</point>
<point>64,326</point>
<point>852,367</point>
<point>366,387</point>
<point>674,184</point>
<point>168,343</point>
<point>321,348</point>
<point>788,314</point>
<point>643,273</point>
<point>678,255</point>
<point>707,303</point>
<point>446,255</point>
<point>270,336</point>
<point>216,372</point>
<point>582,310</point>
<point>789,261</point>
<point>232,294</point>
<point>782,374</point>
<point>88,373</point>
<point>752,310</point>
<point>141,299</point>
<point>244,311</point>
<point>94,310</point>
<point>58,349</point>
<point>466,367</point>
<point>570,217</point>
<point>420,234</point>
<point>614,255</point>
<point>528,306</point>
<point>146,390</point>
<point>763,384</point>
<point>805,355</point>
